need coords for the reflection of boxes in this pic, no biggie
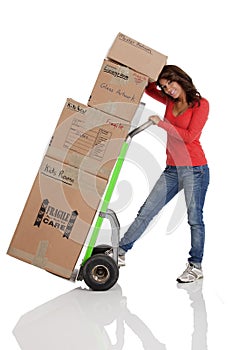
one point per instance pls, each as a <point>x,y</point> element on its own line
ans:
<point>118,90</point>
<point>88,138</point>
<point>57,217</point>
<point>137,56</point>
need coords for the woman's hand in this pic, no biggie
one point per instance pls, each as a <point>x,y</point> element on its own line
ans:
<point>155,119</point>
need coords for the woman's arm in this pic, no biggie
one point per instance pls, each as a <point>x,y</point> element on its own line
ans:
<point>155,93</point>
<point>199,118</point>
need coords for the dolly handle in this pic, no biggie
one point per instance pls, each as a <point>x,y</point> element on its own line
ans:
<point>139,129</point>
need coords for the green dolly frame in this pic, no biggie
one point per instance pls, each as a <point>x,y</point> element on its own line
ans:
<point>100,271</point>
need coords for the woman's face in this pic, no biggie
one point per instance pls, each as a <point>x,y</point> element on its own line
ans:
<point>172,88</point>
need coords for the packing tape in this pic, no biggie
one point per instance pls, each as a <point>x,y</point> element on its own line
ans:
<point>38,260</point>
<point>20,254</point>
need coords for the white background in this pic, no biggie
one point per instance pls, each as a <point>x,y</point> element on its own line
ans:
<point>51,50</point>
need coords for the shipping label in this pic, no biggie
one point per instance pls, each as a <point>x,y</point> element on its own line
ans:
<point>91,142</point>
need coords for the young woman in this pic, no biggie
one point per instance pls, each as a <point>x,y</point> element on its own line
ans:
<point>186,167</point>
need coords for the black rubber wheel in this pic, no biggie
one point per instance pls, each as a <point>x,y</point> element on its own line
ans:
<point>101,249</point>
<point>100,272</point>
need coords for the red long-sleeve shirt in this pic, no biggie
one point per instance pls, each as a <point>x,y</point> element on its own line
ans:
<point>183,131</point>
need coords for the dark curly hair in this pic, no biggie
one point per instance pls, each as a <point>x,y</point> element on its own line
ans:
<point>174,73</point>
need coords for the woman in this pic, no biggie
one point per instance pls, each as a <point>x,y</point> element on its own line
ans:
<point>185,116</point>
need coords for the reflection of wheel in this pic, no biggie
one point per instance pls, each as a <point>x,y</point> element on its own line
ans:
<point>100,249</point>
<point>100,272</point>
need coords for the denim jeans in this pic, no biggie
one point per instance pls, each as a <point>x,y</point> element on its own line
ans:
<point>194,181</point>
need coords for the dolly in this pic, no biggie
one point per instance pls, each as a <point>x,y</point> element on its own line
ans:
<point>99,271</point>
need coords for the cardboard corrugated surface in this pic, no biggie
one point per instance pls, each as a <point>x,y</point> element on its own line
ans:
<point>88,138</point>
<point>118,90</point>
<point>137,56</point>
<point>57,217</point>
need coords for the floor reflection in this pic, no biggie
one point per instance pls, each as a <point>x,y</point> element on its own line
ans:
<point>200,325</point>
<point>78,320</point>
<point>81,319</point>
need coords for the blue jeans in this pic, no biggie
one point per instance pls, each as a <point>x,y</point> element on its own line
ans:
<point>194,180</point>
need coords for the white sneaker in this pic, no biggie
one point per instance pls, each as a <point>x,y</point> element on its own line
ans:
<point>191,274</point>
<point>121,258</point>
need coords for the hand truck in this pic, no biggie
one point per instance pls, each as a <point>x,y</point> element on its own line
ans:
<point>98,270</point>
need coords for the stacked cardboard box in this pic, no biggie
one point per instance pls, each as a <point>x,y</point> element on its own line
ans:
<point>137,56</point>
<point>83,150</point>
<point>118,90</point>
<point>124,76</point>
<point>68,188</point>
<point>56,218</point>
<point>88,138</point>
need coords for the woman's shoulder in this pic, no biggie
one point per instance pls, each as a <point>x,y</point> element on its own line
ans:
<point>202,107</point>
<point>203,100</point>
<point>203,103</point>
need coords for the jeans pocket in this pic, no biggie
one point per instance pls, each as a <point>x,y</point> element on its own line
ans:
<point>198,170</point>
<point>202,172</point>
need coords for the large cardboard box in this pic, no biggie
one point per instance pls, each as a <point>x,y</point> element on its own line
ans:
<point>57,217</point>
<point>137,56</point>
<point>118,90</point>
<point>88,138</point>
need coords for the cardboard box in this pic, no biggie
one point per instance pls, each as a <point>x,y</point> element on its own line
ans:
<point>88,138</point>
<point>57,217</point>
<point>118,90</point>
<point>137,56</point>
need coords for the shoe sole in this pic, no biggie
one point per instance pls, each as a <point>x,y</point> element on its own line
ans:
<point>180,281</point>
